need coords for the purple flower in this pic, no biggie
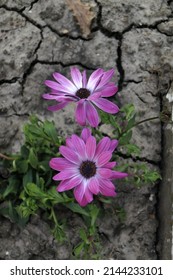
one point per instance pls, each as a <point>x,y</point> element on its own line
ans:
<point>86,167</point>
<point>87,94</point>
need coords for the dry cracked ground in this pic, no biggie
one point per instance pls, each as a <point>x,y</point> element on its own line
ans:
<point>40,37</point>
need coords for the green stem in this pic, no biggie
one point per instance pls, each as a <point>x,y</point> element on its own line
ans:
<point>146,120</point>
<point>54,217</point>
<point>137,123</point>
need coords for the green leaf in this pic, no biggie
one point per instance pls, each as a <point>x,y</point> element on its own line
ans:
<point>131,123</point>
<point>50,130</point>
<point>9,212</point>
<point>78,249</point>
<point>132,149</point>
<point>40,182</point>
<point>76,208</point>
<point>56,196</point>
<point>83,235</point>
<point>24,152</point>
<point>33,191</point>
<point>33,160</point>
<point>94,212</point>
<point>125,138</point>
<point>27,207</point>
<point>59,233</point>
<point>129,110</point>
<point>12,187</point>
<point>21,165</point>
<point>28,177</point>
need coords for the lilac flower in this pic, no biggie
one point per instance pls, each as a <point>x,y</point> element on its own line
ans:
<point>87,94</point>
<point>86,167</point>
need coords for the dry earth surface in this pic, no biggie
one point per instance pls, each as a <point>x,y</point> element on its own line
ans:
<point>136,38</point>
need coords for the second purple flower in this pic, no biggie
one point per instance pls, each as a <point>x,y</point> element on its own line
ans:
<point>86,93</point>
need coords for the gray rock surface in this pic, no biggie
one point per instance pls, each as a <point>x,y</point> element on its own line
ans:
<point>100,51</point>
<point>147,106</point>
<point>143,51</point>
<point>40,37</point>
<point>19,41</point>
<point>58,16</point>
<point>117,16</point>
<point>16,4</point>
<point>166,27</point>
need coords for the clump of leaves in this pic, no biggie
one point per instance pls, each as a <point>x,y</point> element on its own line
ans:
<point>26,184</point>
<point>122,129</point>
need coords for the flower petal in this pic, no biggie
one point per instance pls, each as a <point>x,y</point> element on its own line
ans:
<point>80,113</point>
<point>69,154</point>
<point>84,79</point>
<point>58,106</point>
<point>103,158</point>
<point>60,164</point>
<point>93,185</point>
<point>105,172</point>
<point>118,175</point>
<point>79,145</point>
<point>113,145</point>
<point>86,133</point>
<point>76,77</point>
<point>66,174</point>
<point>110,165</point>
<point>90,147</point>
<point>92,115</point>
<point>109,90</point>
<point>65,82</point>
<point>94,79</point>
<point>56,86</point>
<point>103,145</point>
<point>69,184</point>
<point>88,196</point>
<point>105,78</point>
<point>79,192</point>
<point>106,105</point>
<point>69,143</point>
<point>49,96</point>
<point>82,194</point>
<point>107,188</point>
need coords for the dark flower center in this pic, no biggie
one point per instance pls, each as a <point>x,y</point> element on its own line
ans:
<point>88,169</point>
<point>83,93</point>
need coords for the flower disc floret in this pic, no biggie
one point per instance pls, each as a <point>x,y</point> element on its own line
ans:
<point>83,93</point>
<point>86,167</point>
<point>87,94</point>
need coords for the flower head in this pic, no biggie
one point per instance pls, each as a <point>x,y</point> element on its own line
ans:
<point>86,93</point>
<point>86,167</point>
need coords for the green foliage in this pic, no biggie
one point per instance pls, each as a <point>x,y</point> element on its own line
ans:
<point>122,125</point>
<point>29,188</point>
<point>139,173</point>
<point>89,247</point>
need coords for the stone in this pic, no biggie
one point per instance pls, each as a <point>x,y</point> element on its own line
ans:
<point>57,15</point>
<point>144,97</point>
<point>166,27</point>
<point>19,40</point>
<point>100,51</point>
<point>16,4</point>
<point>9,128</point>
<point>40,37</point>
<point>118,16</point>
<point>142,50</point>
<point>10,99</point>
